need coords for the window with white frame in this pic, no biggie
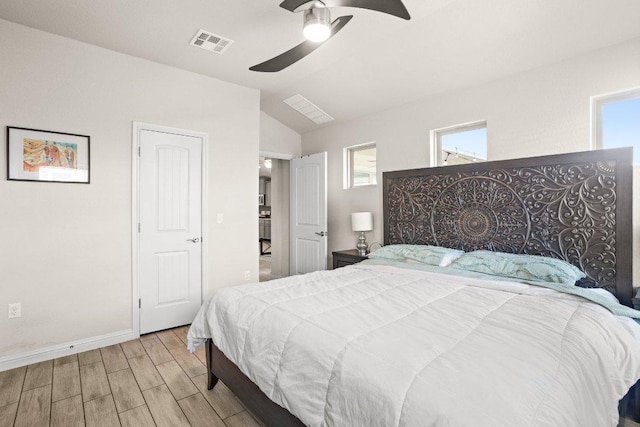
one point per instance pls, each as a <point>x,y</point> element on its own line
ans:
<point>460,144</point>
<point>616,121</point>
<point>360,165</point>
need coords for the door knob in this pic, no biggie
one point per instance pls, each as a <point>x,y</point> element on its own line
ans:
<point>322,233</point>
<point>194,240</point>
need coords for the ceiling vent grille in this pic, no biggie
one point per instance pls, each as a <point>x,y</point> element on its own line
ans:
<point>308,109</point>
<point>211,42</point>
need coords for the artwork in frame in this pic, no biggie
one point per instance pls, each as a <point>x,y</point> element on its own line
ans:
<point>46,156</point>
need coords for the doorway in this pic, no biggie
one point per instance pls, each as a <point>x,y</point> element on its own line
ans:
<point>273,216</point>
<point>169,179</point>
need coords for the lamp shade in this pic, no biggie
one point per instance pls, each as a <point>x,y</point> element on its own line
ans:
<point>362,221</point>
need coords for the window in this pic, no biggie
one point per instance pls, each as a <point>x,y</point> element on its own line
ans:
<point>616,121</point>
<point>459,144</point>
<point>360,165</point>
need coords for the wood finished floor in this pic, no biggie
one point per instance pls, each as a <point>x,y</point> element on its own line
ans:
<point>153,381</point>
<point>265,268</point>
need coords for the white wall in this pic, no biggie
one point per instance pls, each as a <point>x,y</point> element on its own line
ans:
<point>278,138</point>
<point>543,111</point>
<point>65,249</point>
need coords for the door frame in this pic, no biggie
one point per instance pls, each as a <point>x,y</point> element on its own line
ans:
<point>288,157</point>
<point>138,127</point>
<point>274,155</point>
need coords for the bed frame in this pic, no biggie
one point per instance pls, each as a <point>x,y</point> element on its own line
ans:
<point>576,207</point>
<point>219,367</point>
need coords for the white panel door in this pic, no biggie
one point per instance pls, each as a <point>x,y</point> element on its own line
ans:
<point>170,230</point>
<point>309,213</point>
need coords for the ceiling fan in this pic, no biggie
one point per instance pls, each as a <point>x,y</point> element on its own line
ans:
<point>318,28</point>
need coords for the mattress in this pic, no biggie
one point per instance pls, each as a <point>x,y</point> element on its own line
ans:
<point>392,345</point>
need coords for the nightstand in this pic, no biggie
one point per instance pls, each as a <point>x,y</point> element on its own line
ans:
<point>348,257</point>
<point>636,298</point>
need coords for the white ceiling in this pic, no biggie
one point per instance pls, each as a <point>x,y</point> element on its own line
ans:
<point>376,62</point>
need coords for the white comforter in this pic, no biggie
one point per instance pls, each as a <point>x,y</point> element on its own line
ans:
<point>382,346</point>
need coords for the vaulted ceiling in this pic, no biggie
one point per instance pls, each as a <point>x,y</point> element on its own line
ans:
<point>376,62</point>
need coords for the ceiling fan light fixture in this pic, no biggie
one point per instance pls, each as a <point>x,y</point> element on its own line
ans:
<point>317,24</point>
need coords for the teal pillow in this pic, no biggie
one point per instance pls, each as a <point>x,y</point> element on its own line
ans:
<point>424,254</point>
<point>432,255</point>
<point>389,252</point>
<point>528,267</point>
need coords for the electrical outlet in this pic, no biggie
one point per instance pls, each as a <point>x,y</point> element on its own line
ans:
<point>14,310</point>
<point>247,275</point>
<point>220,218</point>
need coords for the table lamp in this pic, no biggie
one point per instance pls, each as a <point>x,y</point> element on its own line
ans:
<point>362,221</point>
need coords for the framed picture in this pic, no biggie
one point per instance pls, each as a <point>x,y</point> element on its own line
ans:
<point>40,155</point>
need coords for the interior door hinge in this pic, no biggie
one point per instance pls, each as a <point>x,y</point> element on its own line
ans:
<point>138,151</point>
<point>138,227</point>
<point>139,302</point>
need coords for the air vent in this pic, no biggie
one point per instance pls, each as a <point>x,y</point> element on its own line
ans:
<point>211,42</point>
<point>308,109</point>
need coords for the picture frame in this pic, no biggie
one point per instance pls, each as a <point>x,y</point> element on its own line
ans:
<point>47,156</point>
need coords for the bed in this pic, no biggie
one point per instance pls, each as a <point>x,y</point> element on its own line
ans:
<point>388,342</point>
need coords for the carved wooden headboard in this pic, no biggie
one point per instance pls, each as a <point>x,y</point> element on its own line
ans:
<point>576,207</point>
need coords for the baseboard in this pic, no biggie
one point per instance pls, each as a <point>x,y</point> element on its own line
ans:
<point>66,349</point>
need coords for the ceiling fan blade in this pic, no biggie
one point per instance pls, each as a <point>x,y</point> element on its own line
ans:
<point>391,7</point>
<point>292,56</point>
